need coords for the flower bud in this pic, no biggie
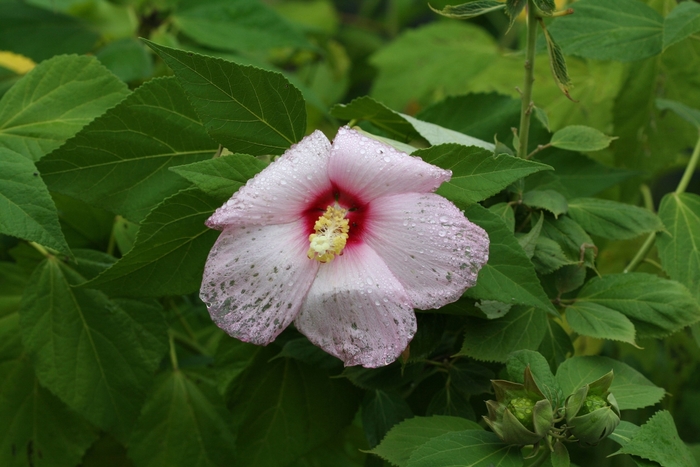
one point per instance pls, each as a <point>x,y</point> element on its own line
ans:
<point>592,412</point>
<point>521,414</point>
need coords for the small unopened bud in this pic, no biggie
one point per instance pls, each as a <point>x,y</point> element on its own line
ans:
<point>592,412</point>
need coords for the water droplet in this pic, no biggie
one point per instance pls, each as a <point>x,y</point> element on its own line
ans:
<point>387,159</point>
<point>369,281</point>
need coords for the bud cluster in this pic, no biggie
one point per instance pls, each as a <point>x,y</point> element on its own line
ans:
<point>522,415</point>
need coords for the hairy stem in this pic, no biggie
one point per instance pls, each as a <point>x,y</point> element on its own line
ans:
<point>526,105</point>
<point>690,169</point>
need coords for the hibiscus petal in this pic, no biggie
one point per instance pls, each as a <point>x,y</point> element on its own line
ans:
<point>428,244</point>
<point>357,310</point>
<point>281,192</point>
<point>256,279</point>
<point>369,169</point>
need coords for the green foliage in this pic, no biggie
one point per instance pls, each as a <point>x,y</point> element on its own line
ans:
<point>109,169</point>
<point>55,100</point>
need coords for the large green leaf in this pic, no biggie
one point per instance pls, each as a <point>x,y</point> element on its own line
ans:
<point>435,134</point>
<point>481,115</point>
<point>285,409</point>
<point>466,51</point>
<point>37,429</point>
<point>493,339</point>
<point>120,161</point>
<point>182,426</point>
<point>623,30</point>
<point>656,306</point>
<point>54,101</point>
<point>403,439</point>
<point>679,246</point>
<point>476,172</point>
<point>223,176</point>
<point>380,411</point>
<point>630,388</point>
<point>246,109</point>
<point>568,234</point>
<point>42,33</point>
<point>237,25</point>
<point>98,355</point>
<point>594,320</point>
<point>472,448</point>
<point>610,219</point>
<point>170,250</point>
<point>509,276</point>
<point>28,212</point>
<point>658,440</point>
<point>681,22</point>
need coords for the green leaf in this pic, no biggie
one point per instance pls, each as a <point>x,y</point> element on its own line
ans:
<point>60,34</point>
<point>630,388</point>
<point>476,172</point>
<point>367,109</point>
<point>124,233</point>
<point>28,212</point>
<point>549,200</point>
<point>493,339</point>
<point>98,355</point>
<point>658,440</point>
<point>556,345</point>
<point>560,455</point>
<point>506,213</point>
<point>656,306</point>
<point>435,134</point>
<point>579,175</point>
<point>221,177</point>
<point>549,256</point>
<point>481,115</point>
<point>572,239</point>
<point>236,25</point>
<point>286,409</point>
<point>380,411</point>
<point>129,150</point>
<point>54,101</point>
<point>181,426</point>
<point>246,109</point>
<point>470,9</point>
<point>681,22</point>
<point>404,438</point>
<point>518,361</point>
<point>466,51</point>
<point>170,251</point>
<point>580,138</point>
<point>127,58</point>
<point>528,241</point>
<point>688,114</point>
<point>623,30</point>
<point>508,276</point>
<point>231,360</point>
<point>546,7</point>
<point>679,246</point>
<point>38,429</point>
<point>451,401</point>
<point>557,62</point>
<point>513,10</point>
<point>594,320</point>
<point>473,448</point>
<point>613,220</point>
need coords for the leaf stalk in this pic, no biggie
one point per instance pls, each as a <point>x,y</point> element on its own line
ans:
<point>527,104</point>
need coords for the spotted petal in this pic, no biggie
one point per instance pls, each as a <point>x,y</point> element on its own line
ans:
<point>281,192</point>
<point>428,244</point>
<point>357,310</point>
<point>370,169</point>
<point>256,279</point>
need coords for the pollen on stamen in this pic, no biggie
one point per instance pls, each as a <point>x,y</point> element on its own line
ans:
<point>330,235</point>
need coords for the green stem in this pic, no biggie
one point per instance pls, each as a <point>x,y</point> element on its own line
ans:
<point>542,456</point>
<point>642,253</point>
<point>690,169</point>
<point>526,105</point>
<point>173,352</point>
<point>40,249</point>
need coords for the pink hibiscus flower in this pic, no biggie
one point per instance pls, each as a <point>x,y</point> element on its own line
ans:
<point>344,240</point>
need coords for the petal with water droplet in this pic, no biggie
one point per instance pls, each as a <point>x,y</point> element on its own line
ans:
<point>445,250</point>
<point>382,171</point>
<point>280,193</point>
<point>247,276</point>
<point>359,328</point>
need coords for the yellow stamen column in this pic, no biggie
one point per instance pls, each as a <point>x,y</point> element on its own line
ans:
<point>331,235</point>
